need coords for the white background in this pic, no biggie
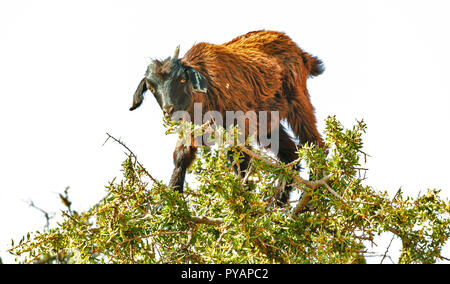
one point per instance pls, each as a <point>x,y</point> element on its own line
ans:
<point>68,70</point>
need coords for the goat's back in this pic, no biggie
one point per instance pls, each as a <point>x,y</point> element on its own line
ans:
<point>280,46</point>
<point>239,77</point>
<point>296,66</point>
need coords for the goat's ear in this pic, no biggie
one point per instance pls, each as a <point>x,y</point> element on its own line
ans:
<point>197,81</point>
<point>139,95</point>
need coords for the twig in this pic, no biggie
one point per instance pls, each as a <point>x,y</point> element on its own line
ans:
<point>217,242</point>
<point>378,255</point>
<point>257,157</point>
<point>298,181</point>
<point>131,153</point>
<point>65,199</point>
<point>161,233</point>
<point>46,214</point>
<point>397,193</point>
<point>387,250</point>
<point>334,193</point>
<point>444,258</point>
<point>207,220</point>
<point>365,155</point>
<point>306,197</point>
<point>190,234</point>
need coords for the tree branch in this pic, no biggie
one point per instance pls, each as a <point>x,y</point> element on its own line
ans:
<point>298,181</point>
<point>306,197</point>
<point>207,220</point>
<point>131,153</point>
<point>46,214</point>
<point>387,250</point>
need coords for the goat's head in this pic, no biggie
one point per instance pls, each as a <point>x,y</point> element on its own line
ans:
<point>171,83</point>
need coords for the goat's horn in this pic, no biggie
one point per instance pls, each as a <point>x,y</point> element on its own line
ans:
<point>176,53</point>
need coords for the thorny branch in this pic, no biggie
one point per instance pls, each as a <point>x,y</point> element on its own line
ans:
<point>298,181</point>
<point>195,219</point>
<point>306,197</point>
<point>131,153</point>
<point>207,220</point>
<point>193,232</point>
<point>387,250</point>
<point>46,214</point>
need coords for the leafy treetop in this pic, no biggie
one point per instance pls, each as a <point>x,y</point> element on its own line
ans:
<point>227,218</point>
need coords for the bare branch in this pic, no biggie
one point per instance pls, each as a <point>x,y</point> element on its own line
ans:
<point>207,220</point>
<point>301,205</point>
<point>334,193</point>
<point>297,180</point>
<point>190,234</point>
<point>306,197</point>
<point>378,255</point>
<point>46,214</point>
<point>258,157</point>
<point>131,153</point>
<point>387,249</point>
<point>444,258</point>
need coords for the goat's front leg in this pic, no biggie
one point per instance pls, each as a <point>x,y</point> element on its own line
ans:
<point>241,168</point>
<point>183,156</point>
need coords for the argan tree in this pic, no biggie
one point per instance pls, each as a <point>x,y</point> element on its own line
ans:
<point>226,218</point>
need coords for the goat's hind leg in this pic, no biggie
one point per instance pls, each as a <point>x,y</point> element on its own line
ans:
<point>287,153</point>
<point>240,167</point>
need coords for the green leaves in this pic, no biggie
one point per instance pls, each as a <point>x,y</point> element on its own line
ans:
<point>226,218</point>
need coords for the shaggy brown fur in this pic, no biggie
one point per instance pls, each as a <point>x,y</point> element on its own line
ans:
<point>259,71</point>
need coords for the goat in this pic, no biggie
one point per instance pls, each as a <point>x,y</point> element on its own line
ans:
<point>258,71</point>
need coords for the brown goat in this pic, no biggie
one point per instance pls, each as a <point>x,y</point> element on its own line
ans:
<point>258,71</point>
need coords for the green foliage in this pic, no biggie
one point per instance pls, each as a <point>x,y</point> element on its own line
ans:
<point>225,218</point>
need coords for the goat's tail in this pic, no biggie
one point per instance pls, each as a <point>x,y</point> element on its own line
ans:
<point>313,64</point>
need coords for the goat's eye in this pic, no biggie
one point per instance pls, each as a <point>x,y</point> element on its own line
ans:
<point>151,89</point>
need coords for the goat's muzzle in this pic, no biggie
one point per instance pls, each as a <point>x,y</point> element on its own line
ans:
<point>168,110</point>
